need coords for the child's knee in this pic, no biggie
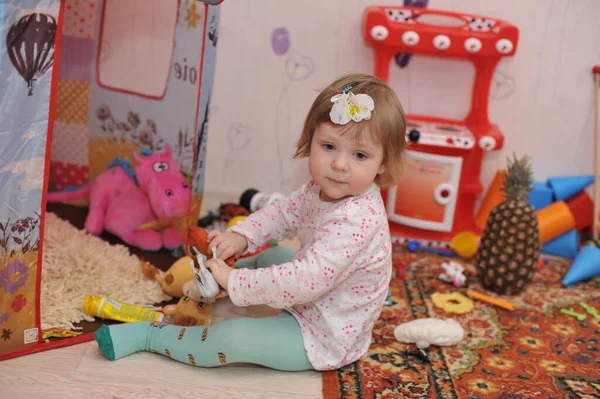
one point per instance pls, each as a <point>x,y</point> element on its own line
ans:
<point>272,256</point>
<point>275,256</point>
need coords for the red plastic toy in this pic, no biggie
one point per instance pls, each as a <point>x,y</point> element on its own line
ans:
<point>435,198</point>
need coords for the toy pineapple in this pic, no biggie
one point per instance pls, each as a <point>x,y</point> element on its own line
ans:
<point>509,248</point>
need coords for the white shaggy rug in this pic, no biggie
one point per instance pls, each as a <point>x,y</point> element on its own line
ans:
<point>77,263</point>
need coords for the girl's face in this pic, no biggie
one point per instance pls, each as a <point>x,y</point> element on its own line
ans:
<point>340,164</point>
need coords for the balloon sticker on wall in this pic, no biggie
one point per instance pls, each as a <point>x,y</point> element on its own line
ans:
<point>280,41</point>
<point>297,67</point>
<point>503,86</point>
<point>30,46</point>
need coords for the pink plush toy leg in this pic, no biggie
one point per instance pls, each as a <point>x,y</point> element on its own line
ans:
<point>148,240</point>
<point>171,238</point>
<point>94,223</point>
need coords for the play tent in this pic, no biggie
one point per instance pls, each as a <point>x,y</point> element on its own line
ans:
<point>81,83</point>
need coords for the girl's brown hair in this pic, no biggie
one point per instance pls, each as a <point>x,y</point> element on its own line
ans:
<point>386,127</point>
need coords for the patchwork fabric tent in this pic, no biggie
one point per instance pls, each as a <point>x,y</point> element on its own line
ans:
<point>82,82</point>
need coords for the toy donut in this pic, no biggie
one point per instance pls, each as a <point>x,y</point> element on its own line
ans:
<point>454,302</point>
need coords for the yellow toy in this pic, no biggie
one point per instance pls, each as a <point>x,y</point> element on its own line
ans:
<point>465,244</point>
<point>234,220</point>
<point>454,302</point>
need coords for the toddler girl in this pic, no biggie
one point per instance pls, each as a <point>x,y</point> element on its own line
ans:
<point>333,289</point>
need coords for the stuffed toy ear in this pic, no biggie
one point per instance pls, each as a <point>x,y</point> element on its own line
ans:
<point>170,309</point>
<point>168,150</point>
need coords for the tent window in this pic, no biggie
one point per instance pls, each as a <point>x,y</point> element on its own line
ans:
<point>137,39</point>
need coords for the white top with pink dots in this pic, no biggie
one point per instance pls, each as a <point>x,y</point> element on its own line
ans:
<point>336,284</point>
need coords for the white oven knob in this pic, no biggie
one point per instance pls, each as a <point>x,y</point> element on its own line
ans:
<point>504,46</point>
<point>444,193</point>
<point>379,32</point>
<point>410,38</point>
<point>441,42</point>
<point>487,143</point>
<point>472,45</point>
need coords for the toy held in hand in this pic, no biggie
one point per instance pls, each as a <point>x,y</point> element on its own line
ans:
<point>205,282</point>
<point>120,205</point>
<point>198,239</point>
<point>201,285</point>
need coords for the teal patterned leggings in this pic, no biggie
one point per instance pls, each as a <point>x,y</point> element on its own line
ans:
<point>275,342</point>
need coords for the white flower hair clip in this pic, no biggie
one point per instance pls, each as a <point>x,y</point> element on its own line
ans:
<point>348,106</point>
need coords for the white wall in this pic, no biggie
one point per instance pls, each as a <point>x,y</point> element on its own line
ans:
<point>542,99</point>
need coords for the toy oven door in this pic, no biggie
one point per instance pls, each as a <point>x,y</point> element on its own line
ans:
<point>425,197</point>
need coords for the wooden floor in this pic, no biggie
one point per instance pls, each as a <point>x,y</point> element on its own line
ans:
<point>81,371</point>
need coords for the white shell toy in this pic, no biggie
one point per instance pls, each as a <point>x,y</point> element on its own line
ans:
<point>429,331</point>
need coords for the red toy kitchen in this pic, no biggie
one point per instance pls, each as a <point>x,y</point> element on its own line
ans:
<point>436,196</point>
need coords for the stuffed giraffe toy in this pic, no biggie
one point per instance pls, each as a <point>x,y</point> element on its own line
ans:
<point>179,280</point>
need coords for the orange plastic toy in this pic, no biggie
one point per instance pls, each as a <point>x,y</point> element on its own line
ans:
<point>436,195</point>
<point>554,220</point>
<point>493,197</point>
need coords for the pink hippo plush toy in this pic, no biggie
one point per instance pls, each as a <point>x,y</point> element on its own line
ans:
<point>121,206</point>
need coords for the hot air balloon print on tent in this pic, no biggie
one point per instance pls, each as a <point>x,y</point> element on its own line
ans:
<point>30,46</point>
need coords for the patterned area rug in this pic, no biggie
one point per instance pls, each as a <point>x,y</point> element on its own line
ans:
<point>534,351</point>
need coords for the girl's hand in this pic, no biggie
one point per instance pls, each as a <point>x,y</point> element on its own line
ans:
<point>222,294</point>
<point>228,244</point>
<point>191,290</point>
<point>220,272</point>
